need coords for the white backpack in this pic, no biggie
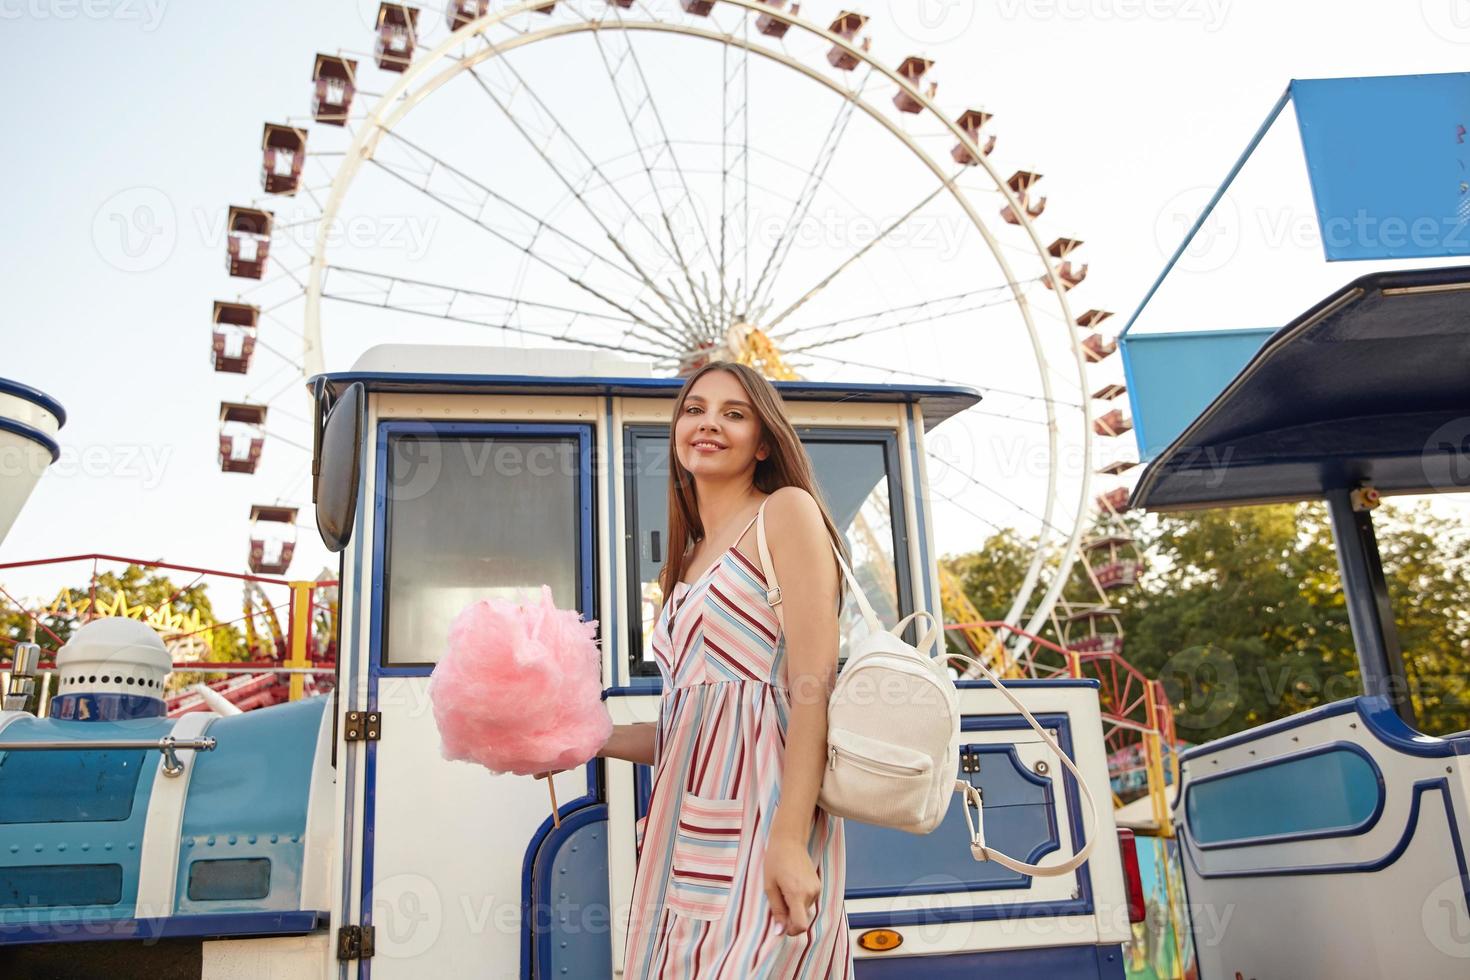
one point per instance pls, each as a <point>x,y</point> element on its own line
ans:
<point>893,725</point>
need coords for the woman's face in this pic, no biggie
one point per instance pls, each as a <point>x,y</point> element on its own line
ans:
<point>717,433</point>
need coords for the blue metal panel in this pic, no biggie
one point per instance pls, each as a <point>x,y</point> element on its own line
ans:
<point>103,840</point>
<point>106,706</point>
<point>1334,790</point>
<point>226,926</point>
<point>1081,905</point>
<point>33,434</point>
<point>1378,717</point>
<point>1439,785</point>
<point>1388,159</point>
<point>247,799</point>
<point>570,910</point>
<point>1044,963</point>
<point>919,493</point>
<point>1019,820</point>
<point>1172,377</point>
<point>35,397</point>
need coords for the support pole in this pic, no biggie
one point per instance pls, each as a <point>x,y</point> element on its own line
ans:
<point>300,631</point>
<point>1370,612</point>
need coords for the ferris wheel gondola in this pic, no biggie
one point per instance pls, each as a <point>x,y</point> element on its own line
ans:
<point>622,215</point>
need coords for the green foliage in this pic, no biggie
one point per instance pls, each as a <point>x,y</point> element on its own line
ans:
<point>139,586</point>
<point>1240,612</point>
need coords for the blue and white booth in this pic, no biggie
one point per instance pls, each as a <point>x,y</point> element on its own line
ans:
<point>329,838</point>
<point>29,423</point>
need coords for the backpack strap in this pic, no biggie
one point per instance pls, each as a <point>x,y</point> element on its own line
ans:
<point>773,588</point>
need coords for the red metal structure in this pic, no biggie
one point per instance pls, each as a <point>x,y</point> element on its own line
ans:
<point>913,69</point>
<point>972,121</point>
<point>272,539</point>
<point>397,36</point>
<point>241,436</point>
<point>302,663</point>
<point>248,241</point>
<point>232,342</point>
<point>846,26</point>
<point>333,86</point>
<point>283,151</point>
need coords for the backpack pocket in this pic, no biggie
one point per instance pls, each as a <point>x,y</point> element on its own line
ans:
<point>706,855</point>
<point>890,784</point>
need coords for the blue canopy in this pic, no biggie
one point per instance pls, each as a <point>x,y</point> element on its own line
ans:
<point>1371,384</point>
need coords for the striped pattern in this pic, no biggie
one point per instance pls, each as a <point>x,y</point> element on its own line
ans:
<point>699,904</point>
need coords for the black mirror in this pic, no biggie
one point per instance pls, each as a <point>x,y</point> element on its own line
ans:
<point>336,466</point>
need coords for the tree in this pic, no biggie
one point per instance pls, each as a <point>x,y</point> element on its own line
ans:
<point>1240,612</point>
<point>138,586</point>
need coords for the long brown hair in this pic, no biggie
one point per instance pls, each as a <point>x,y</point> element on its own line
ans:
<point>786,465</point>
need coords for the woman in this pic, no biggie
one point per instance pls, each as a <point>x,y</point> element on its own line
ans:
<point>740,874</point>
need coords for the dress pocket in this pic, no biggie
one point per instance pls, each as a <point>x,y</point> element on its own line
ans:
<point>639,826</point>
<point>706,856</point>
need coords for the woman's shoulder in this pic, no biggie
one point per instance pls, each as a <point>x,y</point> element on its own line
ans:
<point>793,508</point>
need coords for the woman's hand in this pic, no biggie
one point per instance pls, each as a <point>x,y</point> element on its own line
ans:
<point>791,885</point>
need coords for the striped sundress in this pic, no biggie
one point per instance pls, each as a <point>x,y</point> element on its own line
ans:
<point>699,904</point>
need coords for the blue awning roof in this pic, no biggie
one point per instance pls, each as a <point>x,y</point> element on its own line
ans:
<point>937,402</point>
<point>1371,384</point>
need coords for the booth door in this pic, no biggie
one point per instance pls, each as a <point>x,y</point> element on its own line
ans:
<point>463,511</point>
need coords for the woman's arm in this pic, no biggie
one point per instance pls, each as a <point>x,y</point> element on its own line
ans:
<point>631,743</point>
<point>801,552</point>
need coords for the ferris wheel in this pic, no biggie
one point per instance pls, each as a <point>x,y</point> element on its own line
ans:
<point>681,181</point>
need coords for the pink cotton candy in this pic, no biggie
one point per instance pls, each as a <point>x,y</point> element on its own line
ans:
<point>520,688</point>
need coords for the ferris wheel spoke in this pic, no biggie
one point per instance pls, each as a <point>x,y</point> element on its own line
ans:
<point>563,337</point>
<point>482,196</point>
<point>867,247</point>
<point>676,306</point>
<point>871,330</point>
<point>380,282</point>
<point>989,489</point>
<point>873,321</point>
<point>646,127</point>
<point>440,299</point>
<point>987,390</point>
<point>816,176</point>
<point>734,173</point>
<point>573,276</point>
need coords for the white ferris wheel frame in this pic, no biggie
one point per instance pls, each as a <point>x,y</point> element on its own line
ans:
<point>393,105</point>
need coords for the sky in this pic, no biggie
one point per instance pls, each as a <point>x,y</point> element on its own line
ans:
<point>134,123</point>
